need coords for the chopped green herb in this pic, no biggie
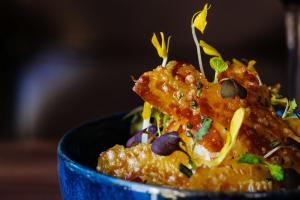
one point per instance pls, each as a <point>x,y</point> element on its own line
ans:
<point>199,86</point>
<point>250,159</point>
<point>206,124</point>
<point>276,171</point>
<point>189,134</point>
<point>189,125</point>
<point>275,143</point>
<point>180,95</point>
<point>194,105</point>
<point>290,106</point>
<point>185,170</point>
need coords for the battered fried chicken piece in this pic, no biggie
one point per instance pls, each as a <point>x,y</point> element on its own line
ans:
<point>181,91</point>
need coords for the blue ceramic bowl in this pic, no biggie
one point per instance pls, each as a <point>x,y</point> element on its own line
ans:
<point>78,151</point>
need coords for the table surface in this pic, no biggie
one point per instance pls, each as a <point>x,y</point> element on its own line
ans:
<point>28,169</point>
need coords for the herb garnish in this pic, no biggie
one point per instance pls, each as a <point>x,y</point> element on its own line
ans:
<point>185,170</point>
<point>189,125</point>
<point>276,171</point>
<point>194,105</point>
<point>199,86</point>
<point>206,124</point>
<point>219,65</point>
<point>290,108</point>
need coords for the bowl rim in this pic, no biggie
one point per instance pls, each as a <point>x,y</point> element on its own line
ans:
<point>142,187</point>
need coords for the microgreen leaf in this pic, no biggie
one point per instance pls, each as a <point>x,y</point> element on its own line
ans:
<point>276,171</point>
<point>200,19</point>
<point>219,65</point>
<point>292,107</point>
<point>185,170</point>
<point>250,159</point>
<point>209,50</point>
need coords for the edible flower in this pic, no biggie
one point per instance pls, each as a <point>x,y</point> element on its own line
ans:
<point>235,125</point>
<point>146,114</point>
<point>199,22</point>
<point>209,50</point>
<point>162,49</point>
<point>276,171</point>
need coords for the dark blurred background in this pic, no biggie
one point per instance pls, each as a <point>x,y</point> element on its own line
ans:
<point>65,62</point>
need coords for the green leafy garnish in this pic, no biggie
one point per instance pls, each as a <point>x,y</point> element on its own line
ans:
<point>250,159</point>
<point>206,124</point>
<point>290,108</point>
<point>276,171</point>
<point>219,65</point>
<point>275,143</point>
<point>185,170</point>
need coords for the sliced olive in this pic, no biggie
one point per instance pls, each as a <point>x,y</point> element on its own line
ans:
<point>231,88</point>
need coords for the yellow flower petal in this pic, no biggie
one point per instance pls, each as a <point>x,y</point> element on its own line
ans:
<point>146,115</point>
<point>209,50</point>
<point>162,49</point>
<point>200,20</point>
<point>235,125</point>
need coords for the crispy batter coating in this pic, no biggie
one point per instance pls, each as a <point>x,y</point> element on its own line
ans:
<point>175,90</point>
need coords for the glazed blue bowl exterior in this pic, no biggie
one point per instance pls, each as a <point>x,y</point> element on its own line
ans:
<point>79,149</point>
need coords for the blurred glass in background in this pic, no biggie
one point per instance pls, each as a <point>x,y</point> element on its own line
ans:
<point>65,62</point>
